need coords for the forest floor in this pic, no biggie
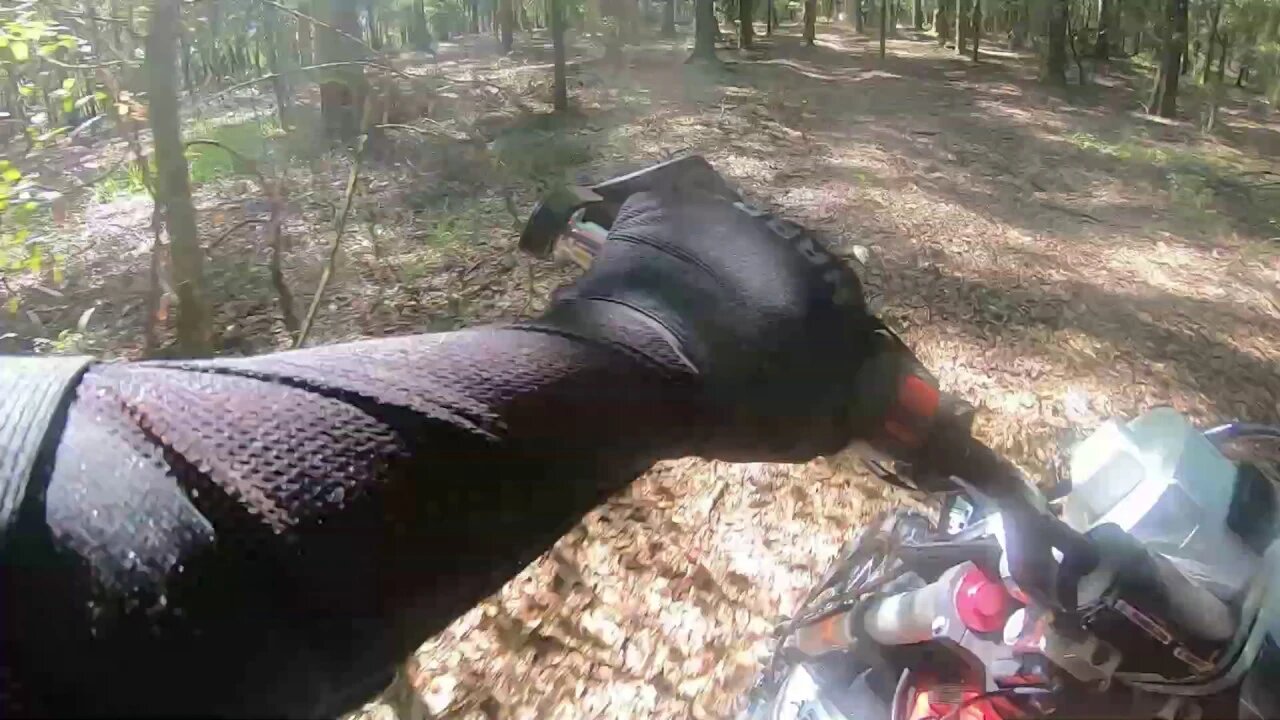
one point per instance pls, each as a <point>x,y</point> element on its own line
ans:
<point>1055,257</point>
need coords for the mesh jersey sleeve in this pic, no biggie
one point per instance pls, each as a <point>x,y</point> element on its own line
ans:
<point>268,536</point>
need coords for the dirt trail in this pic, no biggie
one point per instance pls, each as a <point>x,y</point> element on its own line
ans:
<point>1054,259</point>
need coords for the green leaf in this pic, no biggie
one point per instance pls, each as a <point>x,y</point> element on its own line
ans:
<point>100,96</point>
<point>12,305</point>
<point>52,134</point>
<point>20,51</point>
<point>67,104</point>
<point>35,263</point>
<point>84,101</point>
<point>68,83</point>
<point>30,205</point>
<point>26,90</point>
<point>11,174</point>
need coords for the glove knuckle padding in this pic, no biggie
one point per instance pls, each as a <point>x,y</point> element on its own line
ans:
<point>754,302</point>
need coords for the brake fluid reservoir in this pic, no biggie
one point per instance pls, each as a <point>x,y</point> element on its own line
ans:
<point>1159,479</point>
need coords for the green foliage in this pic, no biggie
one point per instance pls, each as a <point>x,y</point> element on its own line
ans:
<point>20,251</point>
<point>1126,149</point>
<point>125,182</point>
<point>26,31</point>
<point>260,140</point>
<point>45,92</point>
<point>68,342</point>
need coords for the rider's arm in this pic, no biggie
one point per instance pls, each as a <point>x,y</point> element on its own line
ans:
<point>268,535</point>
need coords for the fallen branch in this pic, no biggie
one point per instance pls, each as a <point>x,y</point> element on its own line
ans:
<point>510,96</point>
<point>1070,211</point>
<point>327,273</point>
<point>228,232</point>
<point>442,131</point>
<point>309,68</point>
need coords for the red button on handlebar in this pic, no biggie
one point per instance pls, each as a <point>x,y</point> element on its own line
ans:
<point>982,603</point>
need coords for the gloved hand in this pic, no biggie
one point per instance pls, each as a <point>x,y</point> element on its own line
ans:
<point>771,325</point>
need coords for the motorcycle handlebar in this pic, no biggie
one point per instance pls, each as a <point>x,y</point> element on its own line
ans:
<point>952,451</point>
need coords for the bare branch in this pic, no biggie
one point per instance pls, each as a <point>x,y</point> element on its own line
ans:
<point>88,66</point>
<point>323,24</point>
<point>333,253</point>
<point>352,179</point>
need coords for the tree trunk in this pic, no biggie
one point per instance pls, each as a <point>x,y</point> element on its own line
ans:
<point>1222,58</point>
<point>419,35</point>
<point>962,25</point>
<point>1018,29</point>
<point>306,53</point>
<point>746,31</point>
<point>917,14</point>
<point>811,21</point>
<point>172,185</point>
<point>1055,66</point>
<point>1102,45</point>
<point>185,48</point>
<point>884,25</point>
<point>704,30</point>
<point>1214,17</point>
<point>343,89</point>
<point>977,27</point>
<point>859,16</point>
<point>1242,75</point>
<point>213,58</point>
<point>473,17</point>
<point>560,85</point>
<point>279,86</point>
<point>942,23</point>
<point>669,18</point>
<point>506,18</point>
<point>1164,95</point>
<point>371,19</point>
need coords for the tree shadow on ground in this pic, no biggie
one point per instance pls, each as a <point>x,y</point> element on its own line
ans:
<point>1152,338</point>
<point>1017,151</point>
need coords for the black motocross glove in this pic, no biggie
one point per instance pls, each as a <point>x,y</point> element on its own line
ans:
<point>771,324</point>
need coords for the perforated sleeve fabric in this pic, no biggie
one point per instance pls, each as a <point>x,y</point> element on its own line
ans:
<point>268,536</point>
